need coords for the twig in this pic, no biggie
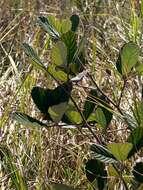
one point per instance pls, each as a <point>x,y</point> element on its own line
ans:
<point>75,104</point>
<point>111,101</point>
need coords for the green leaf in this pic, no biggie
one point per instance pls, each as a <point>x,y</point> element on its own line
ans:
<point>33,55</point>
<point>69,40</point>
<point>61,25</point>
<point>100,117</point>
<point>58,74</point>
<point>138,112</point>
<point>73,116</point>
<point>103,154</point>
<point>89,105</point>
<point>138,172</point>
<point>27,120</point>
<point>128,58</point>
<point>107,114</point>
<point>139,69</point>
<point>48,27</point>
<point>60,187</point>
<point>96,170</point>
<point>45,98</point>
<point>65,25</point>
<point>57,111</point>
<point>78,61</point>
<point>75,22</point>
<point>59,53</point>
<point>136,138</point>
<point>120,150</point>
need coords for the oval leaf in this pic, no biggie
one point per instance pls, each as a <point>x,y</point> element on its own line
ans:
<point>56,112</point>
<point>128,58</point>
<point>120,150</point>
<point>59,54</point>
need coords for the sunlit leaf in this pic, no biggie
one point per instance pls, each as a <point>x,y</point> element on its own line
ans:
<point>59,53</point>
<point>57,111</point>
<point>120,150</point>
<point>61,25</point>
<point>128,58</point>
<point>73,116</point>
<point>58,74</point>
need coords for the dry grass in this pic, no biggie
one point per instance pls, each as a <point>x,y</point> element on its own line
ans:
<point>43,156</point>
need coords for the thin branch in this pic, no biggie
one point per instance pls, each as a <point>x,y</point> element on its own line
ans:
<point>98,88</point>
<point>78,109</point>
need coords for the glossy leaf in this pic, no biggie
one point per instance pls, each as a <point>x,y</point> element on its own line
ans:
<point>120,150</point>
<point>27,120</point>
<point>46,25</point>
<point>138,172</point>
<point>96,170</point>
<point>75,22</point>
<point>136,138</point>
<point>128,58</point>
<point>45,98</point>
<point>33,55</point>
<point>103,154</point>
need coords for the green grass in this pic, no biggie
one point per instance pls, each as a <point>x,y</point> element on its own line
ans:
<point>33,158</point>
